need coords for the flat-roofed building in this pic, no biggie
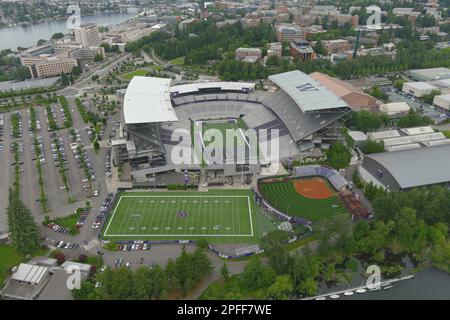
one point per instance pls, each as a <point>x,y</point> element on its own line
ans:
<point>417,130</point>
<point>289,32</point>
<point>336,46</point>
<point>395,109</point>
<point>442,101</point>
<point>242,53</point>
<point>87,35</point>
<point>275,49</point>
<point>302,50</point>
<point>183,25</point>
<point>45,66</point>
<point>418,89</point>
<point>430,74</point>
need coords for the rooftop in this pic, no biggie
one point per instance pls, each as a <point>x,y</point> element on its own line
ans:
<point>309,94</point>
<point>223,86</point>
<point>416,167</point>
<point>147,100</point>
<point>431,73</point>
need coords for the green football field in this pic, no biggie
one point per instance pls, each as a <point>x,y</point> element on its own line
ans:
<point>203,135</point>
<point>224,214</point>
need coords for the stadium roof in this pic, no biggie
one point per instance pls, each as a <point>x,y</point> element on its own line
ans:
<point>224,86</point>
<point>309,94</point>
<point>416,167</point>
<point>147,100</point>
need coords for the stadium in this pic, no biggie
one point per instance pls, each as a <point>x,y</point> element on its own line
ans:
<point>299,116</point>
<point>159,119</point>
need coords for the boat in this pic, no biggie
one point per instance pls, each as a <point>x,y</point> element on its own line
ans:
<point>362,290</point>
<point>334,296</point>
<point>320,298</point>
<point>388,287</point>
<point>348,293</point>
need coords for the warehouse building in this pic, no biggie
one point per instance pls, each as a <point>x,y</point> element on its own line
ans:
<point>442,101</point>
<point>430,74</point>
<point>418,89</point>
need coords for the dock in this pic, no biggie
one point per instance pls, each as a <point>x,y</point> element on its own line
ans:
<point>353,290</point>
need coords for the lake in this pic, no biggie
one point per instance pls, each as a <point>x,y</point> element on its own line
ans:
<point>25,36</point>
<point>427,284</point>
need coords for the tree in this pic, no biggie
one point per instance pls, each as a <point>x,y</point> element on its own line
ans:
<point>367,121</point>
<point>319,48</point>
<point>273,244</point>
<point>57,35</point>
<point>65,79</point>
<point>338,156</point>
<point>428,98</point>
<point>22,227</point>
<point>76,71</point>
<point>371,146</point>
<point>255,276</point>
<point>98,57</point>
<point>224,271</point>
<point>281,288</point>
<point>96,145</point>
<point>308,287</point>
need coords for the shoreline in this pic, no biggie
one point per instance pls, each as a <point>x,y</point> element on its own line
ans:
<point>58,18</point>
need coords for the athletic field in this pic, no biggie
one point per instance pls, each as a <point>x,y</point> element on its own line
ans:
<point>203,135</point>
<point>182,215</point>
<point>309,198</point>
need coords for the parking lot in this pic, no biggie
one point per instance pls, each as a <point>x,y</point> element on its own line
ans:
<point>416,104</point>
<point>56,154</point>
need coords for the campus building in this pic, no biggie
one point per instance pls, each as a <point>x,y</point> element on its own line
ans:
<point>87,35</point>
<point>289,32</point>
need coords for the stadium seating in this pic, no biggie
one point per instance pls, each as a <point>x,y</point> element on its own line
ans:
<point>336,180</point>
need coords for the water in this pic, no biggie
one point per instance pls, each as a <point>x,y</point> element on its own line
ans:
<point>427,284</point>
<point>25,36</point>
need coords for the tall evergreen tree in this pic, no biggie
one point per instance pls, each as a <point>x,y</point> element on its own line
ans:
<point>22,227</point>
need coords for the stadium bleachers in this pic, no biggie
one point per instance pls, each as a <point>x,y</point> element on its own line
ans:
<point>299,124</point>
<point>336,180</point>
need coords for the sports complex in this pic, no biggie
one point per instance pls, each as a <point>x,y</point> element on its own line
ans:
<point>240,190</point>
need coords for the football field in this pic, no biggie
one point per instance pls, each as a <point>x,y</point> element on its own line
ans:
<point>181,215</point>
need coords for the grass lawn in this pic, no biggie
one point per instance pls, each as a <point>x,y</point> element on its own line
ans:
<point>9,258</point>
<point>177,61</point>
<point>216,215</point>
<point>130,75</point>
<point>69,222</point>
<point>283,196</point>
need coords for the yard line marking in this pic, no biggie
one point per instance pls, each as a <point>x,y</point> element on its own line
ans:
<point>127,205</point>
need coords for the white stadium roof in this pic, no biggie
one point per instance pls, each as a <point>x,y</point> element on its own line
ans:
<point>223,86</point>
<point>147,100</point>
<point>309,94</point>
